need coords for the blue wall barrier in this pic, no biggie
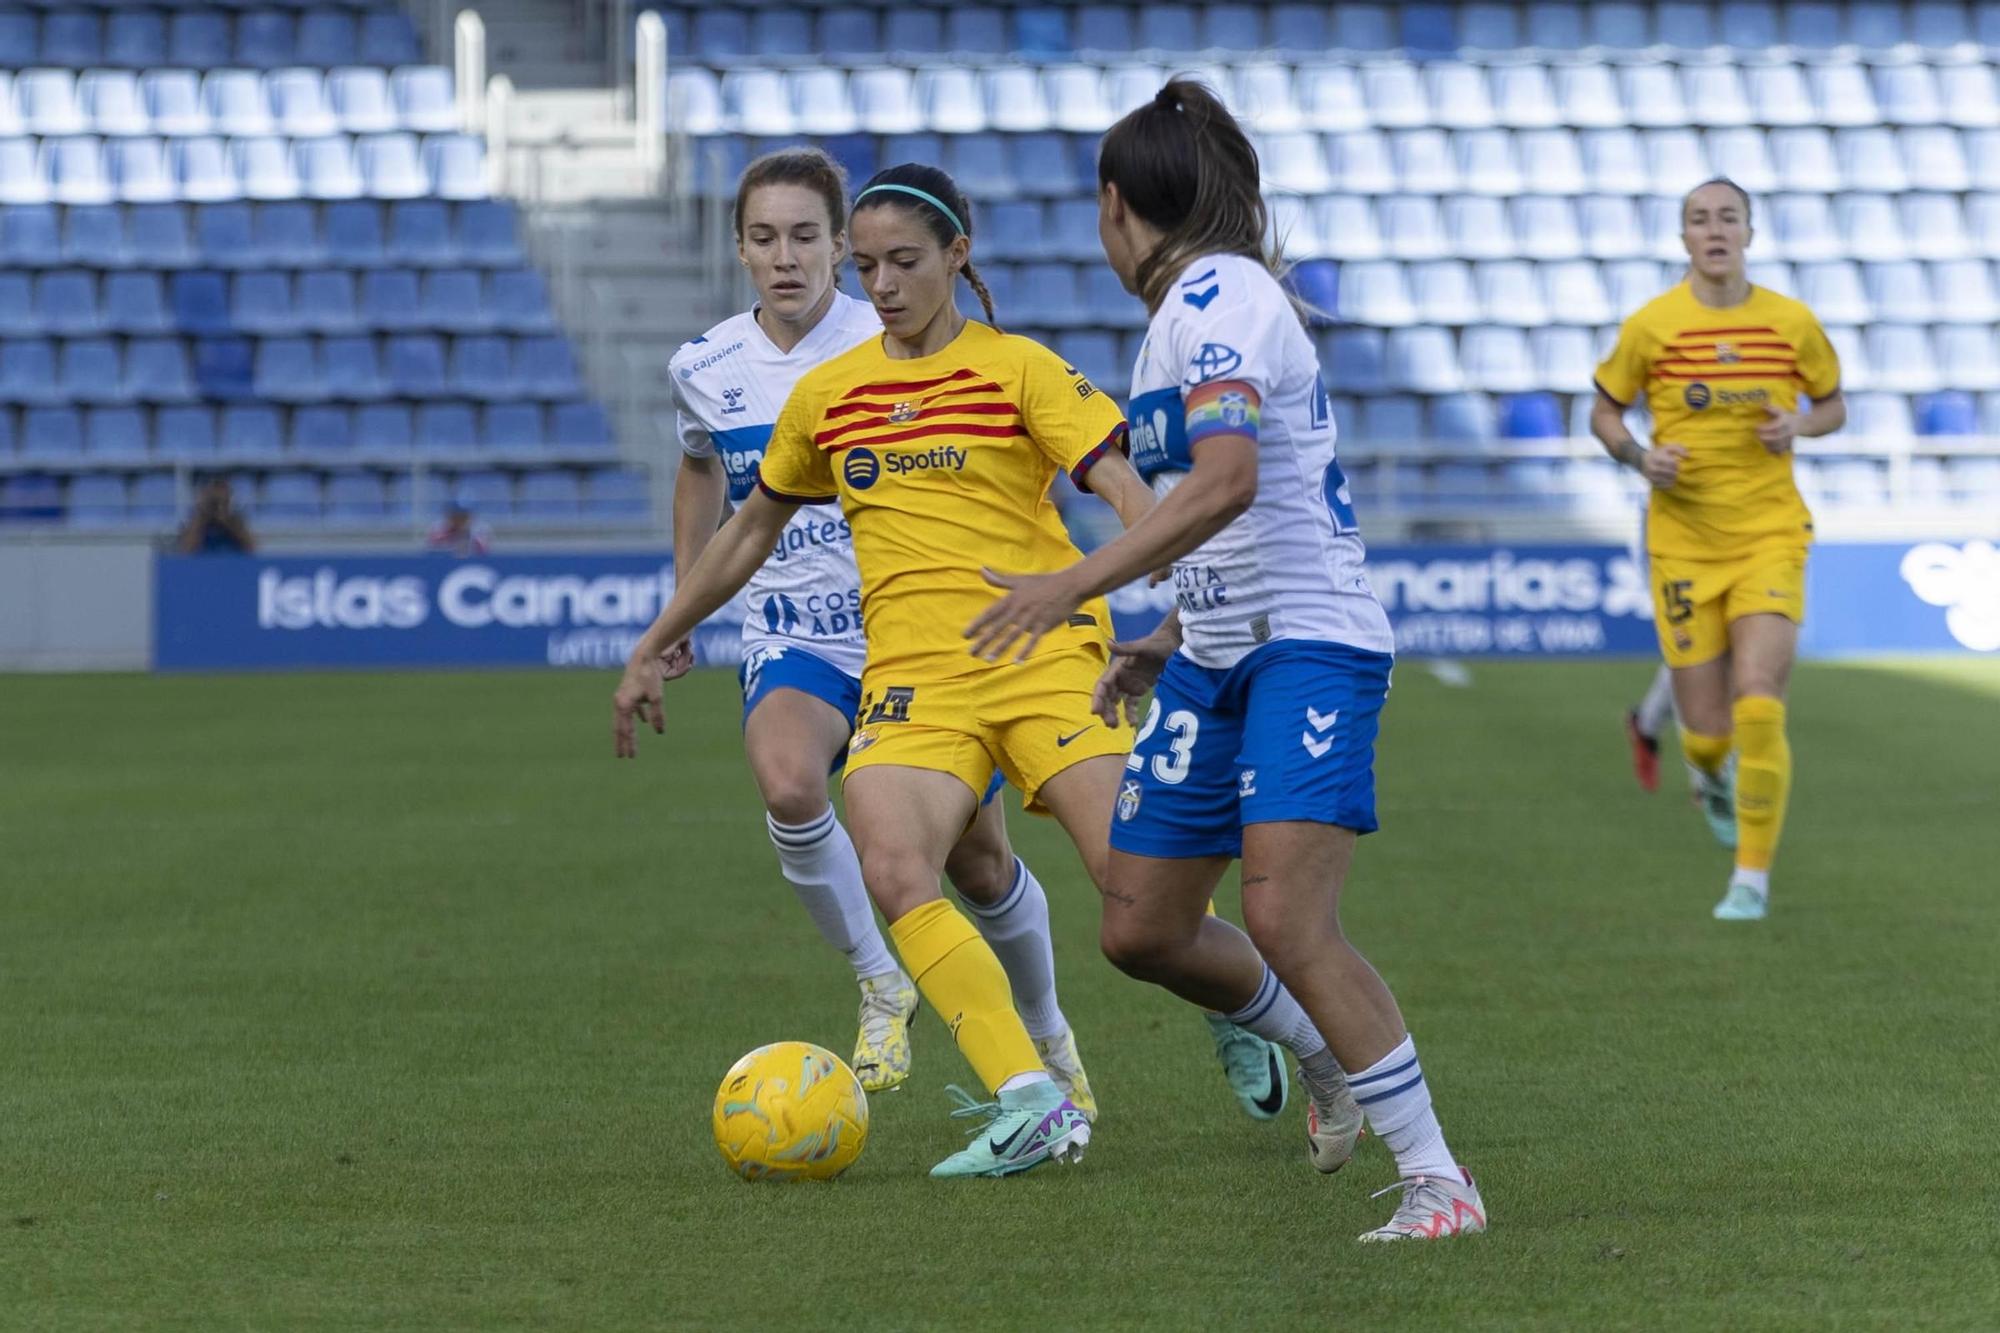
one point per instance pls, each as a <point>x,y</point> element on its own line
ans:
<point>587,610</point>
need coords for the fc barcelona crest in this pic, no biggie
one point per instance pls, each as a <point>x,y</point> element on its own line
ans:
<point>1726,354</point>
<point>903,412</point>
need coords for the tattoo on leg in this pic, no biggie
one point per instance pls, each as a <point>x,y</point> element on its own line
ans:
<point>1249,880</point>
<point>1119,897</point>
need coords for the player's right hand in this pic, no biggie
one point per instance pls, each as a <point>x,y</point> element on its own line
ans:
<point>677,661</point>
<point>1661,466</point>
<point>1135,667</point>
<point>637,696</point>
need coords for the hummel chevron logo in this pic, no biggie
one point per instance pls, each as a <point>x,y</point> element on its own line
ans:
<point>1319,738</point>
<point>1200,300</point>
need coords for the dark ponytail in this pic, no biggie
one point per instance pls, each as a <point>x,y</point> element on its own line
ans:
<point>939,203</point>
<point>1184,166</point>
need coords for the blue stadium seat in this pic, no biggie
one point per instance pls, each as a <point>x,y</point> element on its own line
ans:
<point>76,171</point>
<point>616,493</point>
<point>157,371</point>
<point>1968,93</point>
<point>854,152</point>
<point>96,499</point>
<point>1105,30</point>
<point>487,234</point>
<point>288,497</point>
<point>224,368</point>
<point>546,368</point>
<point>197,39</point>
<point>1555,27</point>
<point>1169,30</point>
<point>153,499</point>
<point>456,164</point>
<point>387,166</point>
<point>331,168</point>
<point>31,497</point>
<point>1364,28</point>
<point>30,236</point>
<point>483,369</point>
<point>978,162</point>
<point>422,96</point>
<point>390,300</point>
<point>580,427</point>
<point>1964,292</point>
<point>236,104</point>
<point>115,432</point>
<point>1477,227</point>
<point>72,38</point>
<point>1531,416</point>
<point>550,494</point>
<point>200,301</point>
<point>184,432</point>
<point>1463,418</point>
<point>322,428</point>
<point>135,302</point>
<point>976,32</point>
<point>1391,420</point>
<point>1429,30</point>
<point>1908,94</point>
<point>1574,294</point>
<point>356,497</point>
<point>1041,166</point>
<point>1876,26</point>
<point>1497,360</point>
<point>383,428</point>
<point>350,369</point>
<point>512,427</point>
<point>260,302</point>
<point>49,103</point>
<point>1041,32</point>
<point>849,34</point>
<point>326,302</point>
<point>1509,294</point>
<point>1684,26</point>
<point>203,169</point>
<point>66,303</point>
<point>388,38</point>
<point>52,433</point>
<point>484,492</point>
<point>353,233</point>
<point>1952,412</point>
<point>327,38</point>
<point>1014,231</point>
<point>446,428</point>
<point>1625,27</point>
<point>223,235</point>
<point>1046,295</point>
<point>20,40</point>
<point>1353,361</point>
<point>517,301</point>
<point>1748,25</point>
<point>454,301</point>
<point>1375,294</point>
<point>17,306</point>
<point>1489,27</point>
<point>267,39</point>
<point>1296,164</point>
<point>414,365</point>
<point>1299,28</point>
<point>781,34</point>
<point>1968,355</point>
<point>719,35</point>
<point>285,235</point>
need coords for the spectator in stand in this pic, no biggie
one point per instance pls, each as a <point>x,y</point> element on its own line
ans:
<point>215,525</point>
<point>458,534</point>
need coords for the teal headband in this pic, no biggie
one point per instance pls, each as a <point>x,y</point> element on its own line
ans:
<point>924,195</point>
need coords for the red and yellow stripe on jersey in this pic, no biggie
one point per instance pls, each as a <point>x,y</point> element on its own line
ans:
<point>943,464</point>
<point>1709,375</point>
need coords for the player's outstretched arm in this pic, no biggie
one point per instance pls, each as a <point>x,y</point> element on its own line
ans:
<point>1220,486</point>
<point>737,552</point>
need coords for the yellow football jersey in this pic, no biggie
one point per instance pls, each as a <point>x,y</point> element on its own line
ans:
<point>943,465</point>
<point>1708,374</point>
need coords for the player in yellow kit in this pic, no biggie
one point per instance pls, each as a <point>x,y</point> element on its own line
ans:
<point>1723,365</point>
<point>940,440</point>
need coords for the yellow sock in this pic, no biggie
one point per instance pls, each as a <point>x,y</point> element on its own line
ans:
<point>1763,779</point>
<point>962,978</point>
<point>1705,752</point>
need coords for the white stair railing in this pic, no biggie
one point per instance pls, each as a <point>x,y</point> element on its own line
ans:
<point>649,90</point>
<point>469,69</point>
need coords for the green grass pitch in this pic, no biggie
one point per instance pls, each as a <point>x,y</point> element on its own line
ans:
<point>392,1002</point>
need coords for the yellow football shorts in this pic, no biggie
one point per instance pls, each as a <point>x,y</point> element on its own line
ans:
<point>1030,720</point>
<point>1695,601</point>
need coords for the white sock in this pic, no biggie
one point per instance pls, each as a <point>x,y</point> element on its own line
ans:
<point>1027,1080</point>
<point>819,860</point>
<point>1397,1103</point>
<point>1657,708</point>
<point>1759,880</point>
<point>1017,928</point>
<point>1275,1016</point>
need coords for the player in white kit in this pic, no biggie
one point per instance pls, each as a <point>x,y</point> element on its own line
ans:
<point>1271,673</point>
<point>803,648</point>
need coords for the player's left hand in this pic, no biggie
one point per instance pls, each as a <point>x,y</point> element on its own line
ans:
<point>677,661</point>
<point>1778,429</point>
<point>1034,605</point>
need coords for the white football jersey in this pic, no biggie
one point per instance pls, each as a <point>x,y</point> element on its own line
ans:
<point>729,385</point>
<point>1291,566</point>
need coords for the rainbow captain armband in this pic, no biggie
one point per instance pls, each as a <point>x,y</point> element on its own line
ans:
<point>1222,407</point>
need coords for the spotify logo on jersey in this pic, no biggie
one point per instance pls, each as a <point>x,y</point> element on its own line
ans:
<point>861,468</point>
<point>1696,395</point>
